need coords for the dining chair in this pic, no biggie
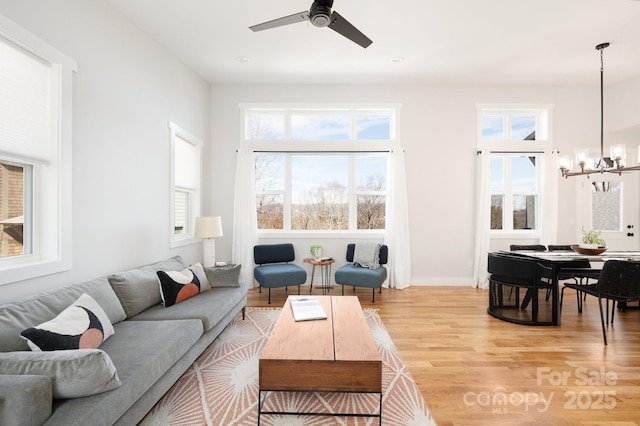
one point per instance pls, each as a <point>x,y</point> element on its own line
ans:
<point>530,247</point>
<point>619,281</point>
<point>516,272</point>
<point>527,247</point>
<point>580,271</point>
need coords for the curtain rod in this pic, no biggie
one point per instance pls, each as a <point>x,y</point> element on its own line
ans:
<point>321,152</point>
<point>512,152</point>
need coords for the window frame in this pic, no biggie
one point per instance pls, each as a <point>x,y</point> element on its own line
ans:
<point>542,113</point>
<point>351,147</point>
<point>194,204</point>
<point>51,183</point>
<point>514,147</point>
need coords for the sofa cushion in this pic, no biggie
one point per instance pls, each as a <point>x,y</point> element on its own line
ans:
<point>350,274</point>
<point>138,288</point>
<point>83,325</point>
<point>73,373</point>
<point>26,400</point>
<point>224,276</point>
<point>279,275</point>
<point>21,314</point>
<point>177,286</point>
<point>142,352</point>
<point>209,307</point>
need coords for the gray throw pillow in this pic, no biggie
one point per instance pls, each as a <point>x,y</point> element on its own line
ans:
<point>224,276</point>
<point>73,373</point>
<point>138,288</point>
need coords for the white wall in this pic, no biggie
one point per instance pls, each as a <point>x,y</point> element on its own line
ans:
<point>126,90</point>
<point>438,131</point>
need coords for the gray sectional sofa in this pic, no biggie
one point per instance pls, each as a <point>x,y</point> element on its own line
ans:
<point>151,348</point>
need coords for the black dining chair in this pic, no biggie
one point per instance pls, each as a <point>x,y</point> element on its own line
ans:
<point>580,271</point>
<point>618,282</point>
<point>527,247</point>
<point>530,247</point>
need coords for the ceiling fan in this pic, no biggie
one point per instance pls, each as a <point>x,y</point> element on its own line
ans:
<point>320,15</point>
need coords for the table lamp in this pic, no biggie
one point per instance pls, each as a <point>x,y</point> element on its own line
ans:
<point>208,228</point>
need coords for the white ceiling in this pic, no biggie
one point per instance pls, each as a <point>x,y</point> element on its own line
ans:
<point>441,41</point>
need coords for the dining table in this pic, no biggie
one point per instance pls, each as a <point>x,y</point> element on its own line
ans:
<point>559,260</point>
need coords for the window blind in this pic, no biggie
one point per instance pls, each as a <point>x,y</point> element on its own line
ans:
<point>25,104</point>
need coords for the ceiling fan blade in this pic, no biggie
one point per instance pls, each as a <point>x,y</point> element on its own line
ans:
<point>285,20</point>
<point>343,27</point>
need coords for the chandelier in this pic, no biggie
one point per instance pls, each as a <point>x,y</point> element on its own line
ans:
<point>616,163</point>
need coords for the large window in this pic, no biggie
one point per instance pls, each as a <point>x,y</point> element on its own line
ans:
<point>35,156</point>
<point>321,192</point>
<point>515,138</point>
<point>321,169</point>
<point>186,160</point>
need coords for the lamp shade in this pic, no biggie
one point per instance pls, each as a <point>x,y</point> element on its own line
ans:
<point>208,227</point>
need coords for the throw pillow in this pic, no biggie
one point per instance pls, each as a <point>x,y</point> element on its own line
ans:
<point>73,373</point>
<point>367,255</point>
<point>224,276</point>
<point>137,289</point>
<point>178,286</point>
<point>83,325</point>
<point>198,269</point>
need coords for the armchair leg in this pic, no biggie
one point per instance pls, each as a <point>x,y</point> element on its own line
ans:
<point>343,290</point>
<point>269,295</point>
<point>298,289</point>
<point>243,310</point>
<point>373,291</point>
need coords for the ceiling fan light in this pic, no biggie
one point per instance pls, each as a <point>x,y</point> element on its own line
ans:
<point>320,14</point>
<point>321,20</point>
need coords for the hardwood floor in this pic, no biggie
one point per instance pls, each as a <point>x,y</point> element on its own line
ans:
<point>464,360</point>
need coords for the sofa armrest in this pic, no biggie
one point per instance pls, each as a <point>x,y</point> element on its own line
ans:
<point>25,399</point>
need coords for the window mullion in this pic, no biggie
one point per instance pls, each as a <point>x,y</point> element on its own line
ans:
<point>287,196</point>
<point>353,195</point>
<point>508,199</point>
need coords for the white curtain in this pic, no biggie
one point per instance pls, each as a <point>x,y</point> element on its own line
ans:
<point>483,220</point>
<point>244,215</point>
<point>397,226</point>
<point>549,201</point>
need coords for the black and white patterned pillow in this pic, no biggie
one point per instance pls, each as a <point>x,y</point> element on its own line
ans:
<point>178,286</point>
<point>83,325</point>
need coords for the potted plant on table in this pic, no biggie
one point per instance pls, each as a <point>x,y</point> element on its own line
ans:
<point>592,240</point>
<point>316,251</point>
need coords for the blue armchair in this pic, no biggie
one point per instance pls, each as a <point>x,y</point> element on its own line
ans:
<point>274,269</point>
<point>357,276</point>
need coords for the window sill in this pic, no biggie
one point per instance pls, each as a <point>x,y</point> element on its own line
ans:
<point>289,235</point>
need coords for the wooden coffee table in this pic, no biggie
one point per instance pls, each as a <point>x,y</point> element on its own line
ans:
<point>337,354</point>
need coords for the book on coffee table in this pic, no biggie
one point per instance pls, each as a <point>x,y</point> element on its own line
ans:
<point>306,308</point>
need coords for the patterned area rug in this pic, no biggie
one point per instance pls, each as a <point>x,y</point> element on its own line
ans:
<point>221,387</point>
